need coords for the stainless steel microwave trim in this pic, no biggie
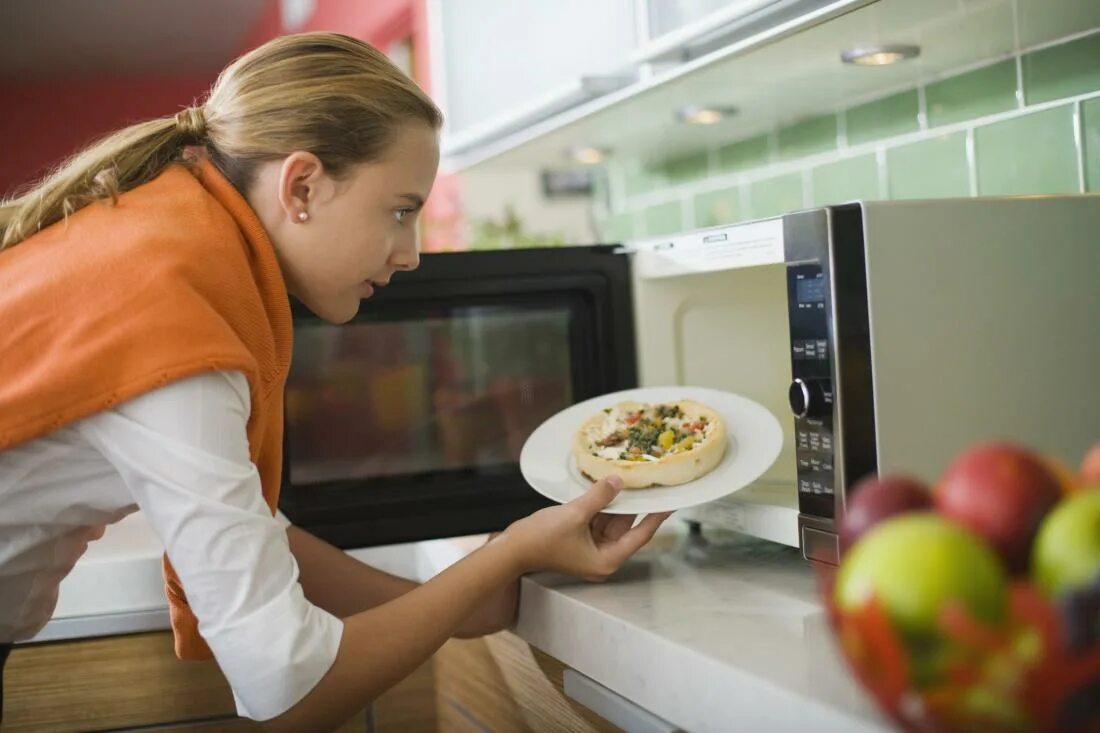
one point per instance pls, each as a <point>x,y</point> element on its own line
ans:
<point>835,372</point>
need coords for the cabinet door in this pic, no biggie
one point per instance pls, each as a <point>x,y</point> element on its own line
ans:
<point>123,683</point>
<point>109,683</point>
<point>500,59</point>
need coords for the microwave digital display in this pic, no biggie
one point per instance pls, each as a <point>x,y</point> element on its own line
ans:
<point>810,290</point>
<point>462,390</point>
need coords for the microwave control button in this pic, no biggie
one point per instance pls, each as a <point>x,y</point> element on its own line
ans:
<point>810,398</point>
<point>822,349</point>
<point>826,488</point>
<point>803,440</point>
<point>804,464</point>
<point>804,486</point>
<point>826,442</point>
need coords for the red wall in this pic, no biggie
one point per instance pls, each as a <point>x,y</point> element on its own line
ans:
<point>45,122</point>
<point>42,124</point>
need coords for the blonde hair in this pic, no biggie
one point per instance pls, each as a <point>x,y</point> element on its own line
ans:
<point>329,94</point>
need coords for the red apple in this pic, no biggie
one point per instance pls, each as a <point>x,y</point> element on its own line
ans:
<point>1000,491</point>
<point>1090,467</point>
<point>875,498</point>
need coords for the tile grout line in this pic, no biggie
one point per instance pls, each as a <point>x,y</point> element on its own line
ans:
<point>883,173</point>
<point>922,108</point>
<point>1020,103</point>
<point>1079,141</point>
<point>1060,41</point>
<point>1020,100</point>
<point>972,161</point>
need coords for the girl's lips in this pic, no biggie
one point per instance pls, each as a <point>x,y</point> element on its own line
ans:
<point>366,289</point>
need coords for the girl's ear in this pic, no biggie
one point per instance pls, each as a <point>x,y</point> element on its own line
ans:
<point>299,177</point>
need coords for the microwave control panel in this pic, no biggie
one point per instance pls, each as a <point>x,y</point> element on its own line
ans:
<point>811,393</point>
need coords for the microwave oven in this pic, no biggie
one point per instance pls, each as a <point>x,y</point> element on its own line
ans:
<point>884,336</point>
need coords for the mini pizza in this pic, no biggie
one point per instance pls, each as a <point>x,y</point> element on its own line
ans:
<point>647,445</point>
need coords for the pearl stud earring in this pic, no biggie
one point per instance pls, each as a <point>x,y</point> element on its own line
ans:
<point>303,216</point>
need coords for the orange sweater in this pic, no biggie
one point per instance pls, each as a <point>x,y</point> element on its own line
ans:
<point>176,279</point>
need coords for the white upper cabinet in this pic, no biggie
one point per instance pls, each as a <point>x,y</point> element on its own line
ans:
<point>508,72</point>
<point>505,65</point>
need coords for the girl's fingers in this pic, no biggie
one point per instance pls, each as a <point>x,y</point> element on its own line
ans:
<point>617,525</point>
<point>633,540</point>
<point>598,496</point>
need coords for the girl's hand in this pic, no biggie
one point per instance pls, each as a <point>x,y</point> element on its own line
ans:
<point>576,539</point>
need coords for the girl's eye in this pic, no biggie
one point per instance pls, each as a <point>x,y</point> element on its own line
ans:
<point>400,215</point>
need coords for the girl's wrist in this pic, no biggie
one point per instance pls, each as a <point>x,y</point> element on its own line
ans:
<point>511,551</point>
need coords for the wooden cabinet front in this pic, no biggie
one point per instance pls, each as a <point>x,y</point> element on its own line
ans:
<point>135,682</point>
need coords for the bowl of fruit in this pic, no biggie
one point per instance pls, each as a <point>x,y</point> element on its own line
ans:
<point>973,604</point>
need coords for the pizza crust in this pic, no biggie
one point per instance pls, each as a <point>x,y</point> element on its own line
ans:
<point>673,467</point>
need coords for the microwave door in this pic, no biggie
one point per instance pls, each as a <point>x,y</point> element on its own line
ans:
<point>407,422</point>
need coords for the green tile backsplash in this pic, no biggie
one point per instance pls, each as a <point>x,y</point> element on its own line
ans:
<point>688,168</point>
<point>1091,123</point>
<point>718,207</point>
<point>894,115</point>
<point>775,196</point>
<point>1035,153</point>
<point>1063,71</point>
<point>750,153</point>
<point>619,228</point>
<point>928,169</point>
<point>808,137</point>
<point>850,179</point>
<point>975,94</point>
<point>662,219</point>
<point>1016,149</point>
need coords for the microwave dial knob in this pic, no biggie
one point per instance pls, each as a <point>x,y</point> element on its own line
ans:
<point>807,398</point>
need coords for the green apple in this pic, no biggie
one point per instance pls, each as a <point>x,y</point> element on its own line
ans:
<point>1067,548</point>
<point>915,564</point>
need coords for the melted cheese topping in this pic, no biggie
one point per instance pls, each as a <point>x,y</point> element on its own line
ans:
<point>616,420</point>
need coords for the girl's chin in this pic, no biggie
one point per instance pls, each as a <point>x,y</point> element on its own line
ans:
<point>337,310</point>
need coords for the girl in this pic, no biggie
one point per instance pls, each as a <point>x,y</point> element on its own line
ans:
<point>146,335</point>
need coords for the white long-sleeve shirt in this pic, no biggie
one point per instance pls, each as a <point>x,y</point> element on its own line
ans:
<point>180,454</point>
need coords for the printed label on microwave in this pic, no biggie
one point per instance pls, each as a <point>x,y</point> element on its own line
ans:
<point>740,245</point>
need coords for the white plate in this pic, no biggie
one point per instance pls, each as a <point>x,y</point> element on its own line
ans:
<point>755,439</point>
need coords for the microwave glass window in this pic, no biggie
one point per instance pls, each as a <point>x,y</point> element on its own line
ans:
<point>375,399</point>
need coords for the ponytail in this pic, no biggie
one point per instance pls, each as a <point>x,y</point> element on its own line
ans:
<point>116,163</point>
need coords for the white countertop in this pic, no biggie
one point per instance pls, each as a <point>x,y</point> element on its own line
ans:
<point>730,636</point>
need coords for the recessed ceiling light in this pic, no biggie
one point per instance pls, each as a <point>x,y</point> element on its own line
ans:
<point>879,55</point>
<point>703,114</point>
<point>586,155</point>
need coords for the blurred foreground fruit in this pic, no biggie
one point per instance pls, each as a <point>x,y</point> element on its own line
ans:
<point>1001,492</point>
<point>876,498</point>
<point>917,563</point>
<point>1067,547</point>
<point>1090,466</point>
